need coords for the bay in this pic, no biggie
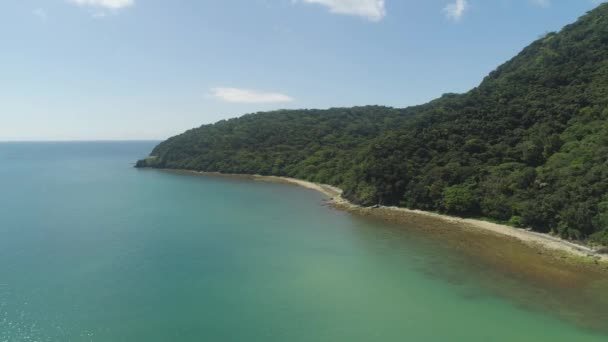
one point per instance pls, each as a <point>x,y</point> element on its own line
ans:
<point>92,249</point>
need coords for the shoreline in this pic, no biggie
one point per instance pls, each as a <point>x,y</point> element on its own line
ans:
<point>528,237</point>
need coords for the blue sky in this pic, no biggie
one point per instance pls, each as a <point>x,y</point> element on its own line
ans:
<point>149,69</point>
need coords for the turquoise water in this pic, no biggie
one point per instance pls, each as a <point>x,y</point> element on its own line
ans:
<point>92,249</point>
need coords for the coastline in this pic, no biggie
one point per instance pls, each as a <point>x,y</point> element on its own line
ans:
<point>534,239</point>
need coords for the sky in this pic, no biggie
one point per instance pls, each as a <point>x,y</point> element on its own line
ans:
<point>150,69</point>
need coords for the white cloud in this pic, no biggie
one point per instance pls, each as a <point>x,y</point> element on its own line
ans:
<point>41,14</point>
<point>373,10</point>
<point>248,96</point>
<point>542,3</point>
<point>109,4</point>
<point>456,10</point>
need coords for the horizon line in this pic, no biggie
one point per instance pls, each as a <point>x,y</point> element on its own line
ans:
<point>78,140</point>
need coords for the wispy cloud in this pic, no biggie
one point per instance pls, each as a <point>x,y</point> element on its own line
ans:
<point>542,3</point>
<point>456,9</point>
<point>238,95</point>
<point>41,14</point>
<point>373,10</point>
<point>109,4</point>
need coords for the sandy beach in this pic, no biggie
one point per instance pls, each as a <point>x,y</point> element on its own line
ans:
<point>531,238</point>
<point>540,240</point>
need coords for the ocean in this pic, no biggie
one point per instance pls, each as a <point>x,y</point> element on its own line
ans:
<point>92,249</point>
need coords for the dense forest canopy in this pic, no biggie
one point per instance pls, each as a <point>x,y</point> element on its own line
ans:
<point>528,146</point>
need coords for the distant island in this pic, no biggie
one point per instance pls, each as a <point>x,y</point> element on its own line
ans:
<point>527,147</point>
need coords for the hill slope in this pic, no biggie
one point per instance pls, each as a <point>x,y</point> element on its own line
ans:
<point>528,146</point>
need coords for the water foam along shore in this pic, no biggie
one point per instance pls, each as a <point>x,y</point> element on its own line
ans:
<point>534,239</point>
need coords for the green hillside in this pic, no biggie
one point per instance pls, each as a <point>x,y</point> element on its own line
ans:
<point>528,146</point>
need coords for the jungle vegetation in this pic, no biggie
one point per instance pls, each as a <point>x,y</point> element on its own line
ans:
<point>528,146</point>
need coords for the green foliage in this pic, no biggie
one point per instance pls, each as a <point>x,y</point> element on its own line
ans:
<point>459,199</point>
<point>529,145</point>
<point>601,220</point>
<point>601,223</point>
<point>600,237</point>
<point>515,221</point>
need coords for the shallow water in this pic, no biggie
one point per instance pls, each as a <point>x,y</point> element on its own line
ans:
<point>92,249</point>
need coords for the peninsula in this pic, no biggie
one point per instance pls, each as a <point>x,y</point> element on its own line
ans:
<point>527,148</point>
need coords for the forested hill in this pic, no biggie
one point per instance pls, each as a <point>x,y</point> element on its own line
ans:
<point>528,146</point>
